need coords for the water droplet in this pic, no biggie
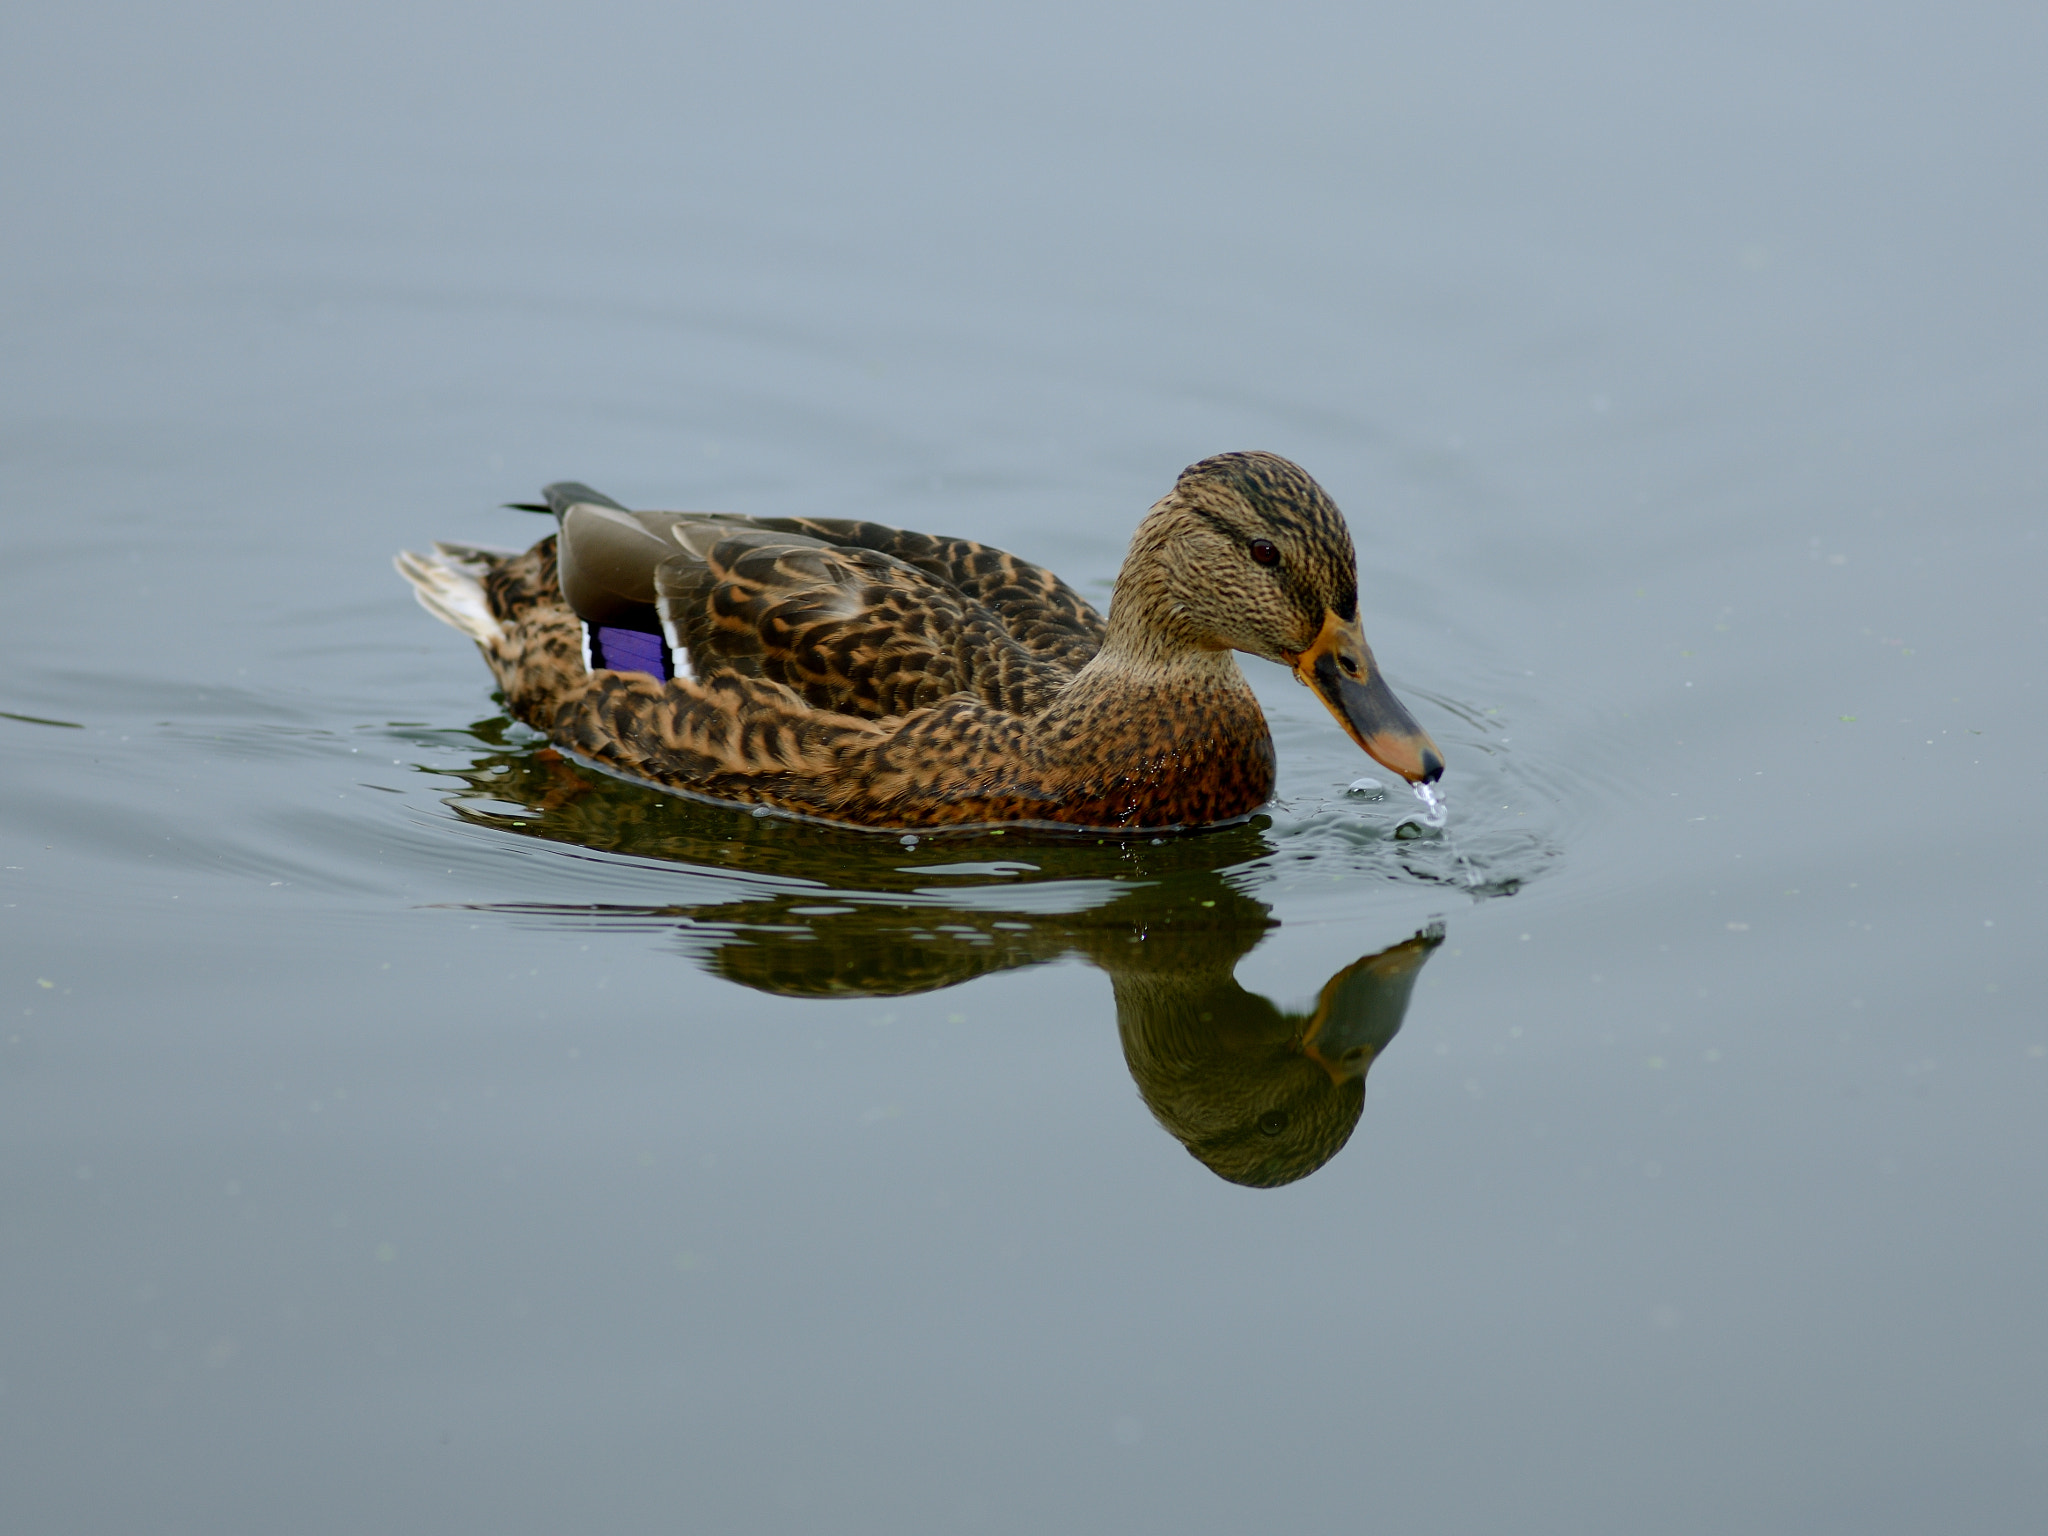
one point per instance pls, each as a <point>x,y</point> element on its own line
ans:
<point>1367,789</point>
<point>909,840</point>
<point>1435,809</point>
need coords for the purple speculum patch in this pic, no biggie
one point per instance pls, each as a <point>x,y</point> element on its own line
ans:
<point>628,650</point>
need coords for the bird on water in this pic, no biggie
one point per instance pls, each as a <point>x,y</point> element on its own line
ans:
<point>863,674</point>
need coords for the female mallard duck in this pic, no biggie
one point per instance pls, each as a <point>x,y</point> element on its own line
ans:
<point>864,674</point>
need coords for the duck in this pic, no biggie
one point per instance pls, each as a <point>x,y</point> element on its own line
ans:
<point>855,673</point>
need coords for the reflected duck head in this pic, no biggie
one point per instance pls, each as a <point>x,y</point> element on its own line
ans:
<point>1259,1096</point>
<point>1248,553</point>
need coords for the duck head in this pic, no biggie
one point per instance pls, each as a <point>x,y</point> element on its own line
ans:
<point>1247,553</point>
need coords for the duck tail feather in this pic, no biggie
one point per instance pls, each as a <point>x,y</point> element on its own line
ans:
<point>478,558</point>
<point>564,494</point>
<point>449,585</point>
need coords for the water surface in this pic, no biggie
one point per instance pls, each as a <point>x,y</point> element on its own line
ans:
<point>408,1129</point>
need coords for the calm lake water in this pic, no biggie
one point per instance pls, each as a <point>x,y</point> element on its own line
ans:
<point>405,1131</point>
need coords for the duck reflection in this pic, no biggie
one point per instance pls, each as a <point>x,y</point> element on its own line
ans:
<point>1260,1095</point>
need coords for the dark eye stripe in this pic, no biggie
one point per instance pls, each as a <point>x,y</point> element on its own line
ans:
<point>1264,552</point>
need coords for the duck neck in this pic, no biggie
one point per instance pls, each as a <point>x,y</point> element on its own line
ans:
<point>1135,651</point>
<point>1151,641</point>
<point>1185,690</point>
<point>1149,626</point>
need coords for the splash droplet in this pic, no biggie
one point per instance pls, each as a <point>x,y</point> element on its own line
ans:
<point>1435,809</point>
<point>1367,789</point>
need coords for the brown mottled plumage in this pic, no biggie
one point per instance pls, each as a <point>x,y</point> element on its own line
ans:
<point>865,674</point>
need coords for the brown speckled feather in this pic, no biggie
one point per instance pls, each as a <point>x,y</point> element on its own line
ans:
<point>959,762</point>
<point>1042,613</point>
<point>850,630</point>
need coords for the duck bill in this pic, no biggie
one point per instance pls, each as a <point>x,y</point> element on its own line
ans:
<point>1338,664</point>
<point>1362,1006</point>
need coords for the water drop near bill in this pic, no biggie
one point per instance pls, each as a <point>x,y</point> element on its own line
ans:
<point>1435,809</point>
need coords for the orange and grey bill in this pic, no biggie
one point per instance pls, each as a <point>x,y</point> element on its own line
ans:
<point>1338,664</point>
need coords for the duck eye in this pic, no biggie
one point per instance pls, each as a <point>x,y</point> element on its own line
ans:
<point>1273,1121</point>
<point>1265,552</point>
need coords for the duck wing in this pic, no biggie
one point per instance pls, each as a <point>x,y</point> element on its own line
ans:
<point>848,629</point>
<point>1042,613</point>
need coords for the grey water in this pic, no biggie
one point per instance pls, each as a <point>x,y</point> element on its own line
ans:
<point>405,1128</point>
